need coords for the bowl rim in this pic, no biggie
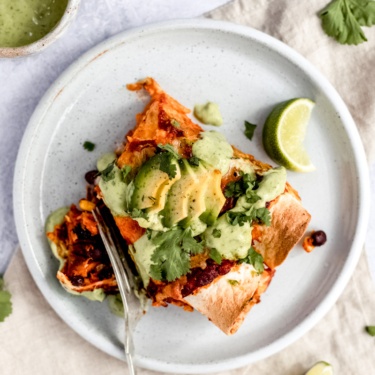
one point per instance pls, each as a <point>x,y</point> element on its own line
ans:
<point>46,40</point>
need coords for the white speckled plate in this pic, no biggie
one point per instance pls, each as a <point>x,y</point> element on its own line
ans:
<point>246,73</point>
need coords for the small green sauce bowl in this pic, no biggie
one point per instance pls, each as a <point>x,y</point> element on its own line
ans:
<point>46,40</point>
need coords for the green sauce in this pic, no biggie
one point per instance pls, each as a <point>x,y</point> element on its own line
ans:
<point>234,241</point>
<point>271,186</point>
<point>116,193</point>
<point>214,149</point>
<point>25,21</point>
<point>208,113</point>
<point>142,251</point>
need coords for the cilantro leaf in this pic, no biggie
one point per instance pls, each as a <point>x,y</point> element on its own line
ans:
<point>137,213</point>
<point>252,196</point>
<point>125,170</point>
<point>249,130</point>
<point>370,330</point>
<point>364,12</point>
<point>169,148</point>
<point>167,166</point>
<point>237,218</point>
<point>190,244</point>
<point>108,173</point>
<point>167,159</point>
<point>215,255</point>
<point>255,259</point>
<point>342,20</point>
<point>5,301</point>
<point>194,161</point>
<point>233,282</point>
<point>171,258</point>
<point>263,215</point>
<point>216,233</point>
<point>89,146</point>
<point>237,188</point>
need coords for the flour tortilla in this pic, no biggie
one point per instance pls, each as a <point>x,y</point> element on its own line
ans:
<point>227,300</point>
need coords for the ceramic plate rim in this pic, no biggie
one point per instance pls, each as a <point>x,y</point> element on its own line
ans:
<point>290,55</point>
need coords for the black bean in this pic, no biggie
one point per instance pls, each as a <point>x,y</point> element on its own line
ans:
<point>319,238</point>
<point>96,254</point>
<point>91,176</point>
<point>82,234</point>
<point>77,280</point>
<point>105,273</point>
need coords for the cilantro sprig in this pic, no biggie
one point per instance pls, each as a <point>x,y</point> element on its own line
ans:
<point>261,215</point>
<point>108,173</point>
<point>237,188</point>
<point>255,259</point>
<point>137,213</point>
<point>166,160</point>
<point>343,19</point>
<point>5,301</point>
<point>246,186</point>
<point>171,258</point>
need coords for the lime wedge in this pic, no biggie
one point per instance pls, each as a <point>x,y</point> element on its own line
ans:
<point>284,133</point>
<point>321,368</point>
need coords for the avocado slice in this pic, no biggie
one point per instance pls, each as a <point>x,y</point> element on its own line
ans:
<point>214,198</point>
<point>151,184</point>
<point>161,194</point>
<point>177,205</point>
<point>197,200</point>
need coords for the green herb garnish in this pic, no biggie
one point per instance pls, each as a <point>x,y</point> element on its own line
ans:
<point>194,161</point>
<point>370,330</point>
<point>171,257</point>
<point>343,19</point>
<point>255,259</point>
<point>125,170</point>
<point>215,255</point>
<point>137,213</point>
<point>169,148</point>
<point>237,188</point>
<point>89,146</point>
<point>249,130</point>
<point>216,233</point>
<point>261,215</point>
<point>166,160</point>
<point>233,282</point>
<point>175,123</point>
<point>5,301</point>
<point>108,173</point>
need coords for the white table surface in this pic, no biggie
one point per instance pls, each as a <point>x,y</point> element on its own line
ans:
<point>23,82</point>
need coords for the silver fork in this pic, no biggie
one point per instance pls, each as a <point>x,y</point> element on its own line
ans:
<point>132,310</point>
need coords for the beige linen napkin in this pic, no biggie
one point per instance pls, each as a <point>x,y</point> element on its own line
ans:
<point>33,340</point>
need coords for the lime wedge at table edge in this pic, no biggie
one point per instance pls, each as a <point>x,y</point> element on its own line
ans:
<point>321,368</point>
<point>284,132</point>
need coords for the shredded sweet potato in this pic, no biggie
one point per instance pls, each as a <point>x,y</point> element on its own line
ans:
<point>129,229</point>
